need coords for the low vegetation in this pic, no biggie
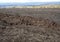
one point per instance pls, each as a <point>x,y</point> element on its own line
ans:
<point>43,6</point>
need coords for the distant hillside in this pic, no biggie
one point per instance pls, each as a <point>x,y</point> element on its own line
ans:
<point>29,4</point>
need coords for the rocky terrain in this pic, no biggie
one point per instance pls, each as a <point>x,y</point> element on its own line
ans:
<point>23,28</point>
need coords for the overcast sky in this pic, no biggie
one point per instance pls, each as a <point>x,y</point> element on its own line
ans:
<point>4,1</point>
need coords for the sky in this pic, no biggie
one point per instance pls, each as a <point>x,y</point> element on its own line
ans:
<point>23,1</point>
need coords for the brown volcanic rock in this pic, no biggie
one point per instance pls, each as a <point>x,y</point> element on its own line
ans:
<point>27,29</point>
<point>26,20</point>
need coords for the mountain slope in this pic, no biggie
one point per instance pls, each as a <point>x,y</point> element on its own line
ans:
<point>29,4</point>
